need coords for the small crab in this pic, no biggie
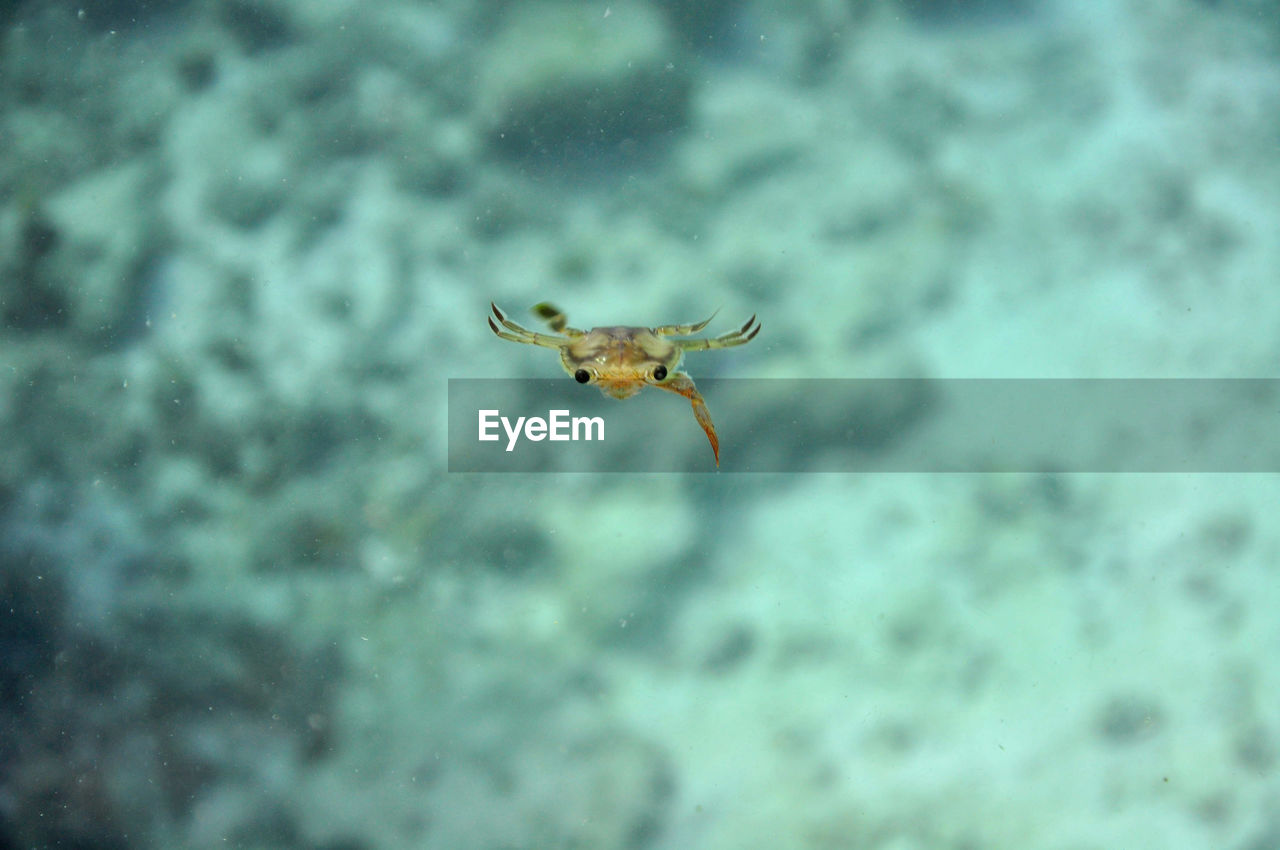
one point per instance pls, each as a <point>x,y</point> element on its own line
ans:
<point>621,361</point>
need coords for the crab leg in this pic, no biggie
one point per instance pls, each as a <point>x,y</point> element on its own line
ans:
<point>519,334</point>
<point>742,335</point>
<point>683,384</point>
<point>554,316</point>
<point>684,330</point>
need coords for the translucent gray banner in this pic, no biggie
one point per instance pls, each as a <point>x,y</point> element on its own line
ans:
<point>873,425</point>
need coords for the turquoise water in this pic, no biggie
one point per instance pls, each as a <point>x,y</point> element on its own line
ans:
<point>246,245</point>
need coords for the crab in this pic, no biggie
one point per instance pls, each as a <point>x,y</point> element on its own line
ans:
<point>621,361</point>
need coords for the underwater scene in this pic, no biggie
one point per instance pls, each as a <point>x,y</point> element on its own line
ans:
<point>293,290</point>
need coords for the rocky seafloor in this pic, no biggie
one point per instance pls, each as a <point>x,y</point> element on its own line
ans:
<point>244,245</point>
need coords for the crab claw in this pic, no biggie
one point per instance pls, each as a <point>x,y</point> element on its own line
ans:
<point>683,384</point>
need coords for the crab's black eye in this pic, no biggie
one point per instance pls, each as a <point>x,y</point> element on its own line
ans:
<point>660,373</point>
<point>582,376</point>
